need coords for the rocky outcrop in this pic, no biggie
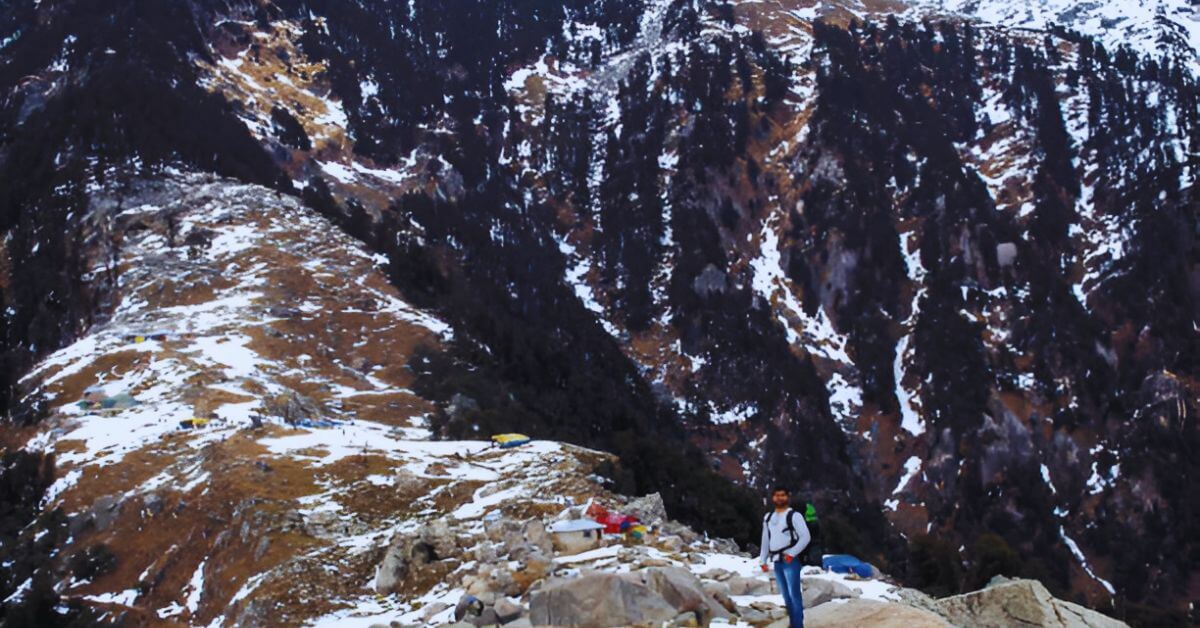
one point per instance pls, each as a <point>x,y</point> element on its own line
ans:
<point>682,590</point>
<point>598,599</point>
<point>407,553</point>
<point>642,597</point>
<point>818,591</point>
<point>871,613</point>
<point>1019,603</point>
<point>648,508</point>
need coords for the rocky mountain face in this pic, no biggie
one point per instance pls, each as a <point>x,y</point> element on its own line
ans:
<point>932,264</point>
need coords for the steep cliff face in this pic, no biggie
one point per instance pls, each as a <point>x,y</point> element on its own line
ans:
<point>939,275</point>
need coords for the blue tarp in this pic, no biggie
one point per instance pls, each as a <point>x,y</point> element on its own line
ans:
<point>845,563</point>
<point>306,422</point>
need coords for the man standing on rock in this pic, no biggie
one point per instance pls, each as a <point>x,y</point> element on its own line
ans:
<point>784,537</point>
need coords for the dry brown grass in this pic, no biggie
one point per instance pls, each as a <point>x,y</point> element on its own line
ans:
<point>222,520</point>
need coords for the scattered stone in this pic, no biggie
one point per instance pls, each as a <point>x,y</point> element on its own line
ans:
<point>686,619</point>
<point>263,545</point>
<point>741,585</point>
<point>1019,602</point>
<point>770,609</point>
<point>486,553</point>
<point>488,618</point>
<point>507,610</point>
<point>428,613</point>
<point>468,606</point>
<point>752,615</point>
<point>725,546</point>
<point>478,586</point>
<point>717,574</point>
<point>152,504</point>
<point>670,543</point>
<point>104,511</point>
<point>500,579</point>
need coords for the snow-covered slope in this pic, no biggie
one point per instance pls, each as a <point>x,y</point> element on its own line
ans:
<point>233,305</point>
<point>1160,29</point>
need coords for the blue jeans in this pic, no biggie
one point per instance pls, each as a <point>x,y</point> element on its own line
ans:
<point>788,577</point>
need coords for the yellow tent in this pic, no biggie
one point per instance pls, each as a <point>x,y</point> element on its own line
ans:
<point>510,440</point>
<point>193,423</point>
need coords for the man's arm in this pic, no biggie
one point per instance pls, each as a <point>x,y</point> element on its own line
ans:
<point>762,553</point>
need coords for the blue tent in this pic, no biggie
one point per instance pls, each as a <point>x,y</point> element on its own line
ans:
<point>845,563</point>
<point>307,422</point>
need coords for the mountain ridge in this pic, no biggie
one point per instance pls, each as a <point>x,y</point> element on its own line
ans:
<point>816,253</point>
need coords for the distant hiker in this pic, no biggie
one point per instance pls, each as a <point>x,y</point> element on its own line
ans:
<point>784,537</point>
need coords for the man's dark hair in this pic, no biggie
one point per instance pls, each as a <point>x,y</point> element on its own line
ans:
<point>780,487</point>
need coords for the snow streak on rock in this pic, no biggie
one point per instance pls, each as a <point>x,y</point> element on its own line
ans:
<point>813,334</point>
<point>908,394</point>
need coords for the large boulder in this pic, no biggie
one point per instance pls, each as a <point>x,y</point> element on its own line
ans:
<point>681,589</point>
<point>408,553</point>
<point>535,534</point>
<point>1019,602</point>
<point>597,599</point>
<point>649,508</point>
<point>720,592</point>
<point>817,591</point>
<point>293,407</point>
<point>515,537</point>
<point>860,612</point>
<point>438,535</point>
<point>103,512</point>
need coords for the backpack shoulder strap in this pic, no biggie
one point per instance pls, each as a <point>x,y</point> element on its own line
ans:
<point>793,536</point>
